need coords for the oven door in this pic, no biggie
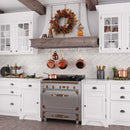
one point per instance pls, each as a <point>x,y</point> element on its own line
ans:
<point>61,101</point>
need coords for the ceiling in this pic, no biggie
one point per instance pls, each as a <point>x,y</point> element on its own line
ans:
<point>12,6</point>
<point>15,6</point>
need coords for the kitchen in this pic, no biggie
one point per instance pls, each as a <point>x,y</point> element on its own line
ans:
<point>93,92</point>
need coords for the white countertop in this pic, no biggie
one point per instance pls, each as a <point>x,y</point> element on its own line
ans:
<point>21,79</point>
<point>105,80</point>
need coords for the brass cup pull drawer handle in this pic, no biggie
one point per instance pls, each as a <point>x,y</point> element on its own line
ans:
<point>59,95</point>
<point>94,88</point>
<point>29,85</point>
<point>122,111</point>
<point>122,87</point>
<point>122,97</point>
<point>59,116</point>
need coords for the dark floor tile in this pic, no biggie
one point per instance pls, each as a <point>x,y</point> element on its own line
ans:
<point>13,123</point>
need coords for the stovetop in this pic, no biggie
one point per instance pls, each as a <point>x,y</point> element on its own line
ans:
<point>68,78</point>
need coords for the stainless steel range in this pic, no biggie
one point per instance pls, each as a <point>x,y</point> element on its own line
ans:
<point>62,98</point>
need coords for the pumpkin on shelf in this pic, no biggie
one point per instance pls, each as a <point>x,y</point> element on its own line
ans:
<point>80,29</point>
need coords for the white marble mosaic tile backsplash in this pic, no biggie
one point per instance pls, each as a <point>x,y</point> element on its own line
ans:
<point>37,63</point>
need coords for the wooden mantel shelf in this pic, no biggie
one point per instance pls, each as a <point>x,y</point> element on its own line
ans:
<point>71,42</point>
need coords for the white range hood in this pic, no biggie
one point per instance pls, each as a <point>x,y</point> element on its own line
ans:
<point>77,6</point>
<point>70,40</point>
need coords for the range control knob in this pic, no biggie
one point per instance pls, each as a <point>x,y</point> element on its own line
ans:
<point>73,87</point>
<point>46,86</point>
<point>63,86</point>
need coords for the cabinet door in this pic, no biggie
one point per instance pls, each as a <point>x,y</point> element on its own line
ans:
<point>110,35</point>
<point>60,101</point>
<point>94,106</point>
<point>127,30</point>
<point>5,38</point>
<point>23,34</point>
<point>30,102</point>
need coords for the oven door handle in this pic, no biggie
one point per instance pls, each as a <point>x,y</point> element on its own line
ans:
<point>59,95</point>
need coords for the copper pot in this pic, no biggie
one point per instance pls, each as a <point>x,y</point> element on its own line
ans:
<point>55,56</point>
<point>123,73</point>
<point>80,63</point>
<point>52,76</point>
<point>62,64</point>
<point>51,63</point>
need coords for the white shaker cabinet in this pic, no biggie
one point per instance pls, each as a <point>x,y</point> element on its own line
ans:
<point>30,101</point>
<point>114,28</point>
<point>15,31</point>
<point>20,97</point>
<point>120,103</point>
<point>93,104</point>
<point>9,98</point>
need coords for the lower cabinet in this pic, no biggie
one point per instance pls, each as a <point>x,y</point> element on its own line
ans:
<point>30,104</point>
<point>9,105</point>
<point>20,97</point>
<point>120,103</point>
<point>94,104</point>
<point>120,111</point>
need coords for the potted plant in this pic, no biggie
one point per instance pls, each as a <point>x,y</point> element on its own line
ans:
<point>114,71</point>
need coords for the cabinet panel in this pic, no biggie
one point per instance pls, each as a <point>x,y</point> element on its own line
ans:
<point>120,111</point>
<point>9,104</point>
<point>23,30</point>
<point>5,37</point>
<point>110,33</point>
<point>120,88</point>
<point>120,96</point>
<point>30,102</point>
<point>95,88</point>
<point>14,37</point>
<point>127,37</point>
<point>94,106</point>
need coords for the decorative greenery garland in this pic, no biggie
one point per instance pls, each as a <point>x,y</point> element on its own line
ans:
<point>67,28</point>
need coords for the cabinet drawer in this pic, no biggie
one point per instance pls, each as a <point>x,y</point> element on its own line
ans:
<point>120,96</point>
<point>64,116</point>
<point>30,85</point>
<point>10,91</point>
<point>120,88</point>
<point>95,87</point>
<point>14,104</point>
<point>9,103</point>
<point>8,84</point>
<point>14,92</point>
<point>120,110</point>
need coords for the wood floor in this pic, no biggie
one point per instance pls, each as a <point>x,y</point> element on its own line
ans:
<point>13,123</point>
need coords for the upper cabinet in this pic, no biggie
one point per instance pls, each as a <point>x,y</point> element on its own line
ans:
<point>114,28</point>
<point>15,31</point>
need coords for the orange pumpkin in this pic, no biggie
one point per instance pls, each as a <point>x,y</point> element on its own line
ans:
<point>21,76</point>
